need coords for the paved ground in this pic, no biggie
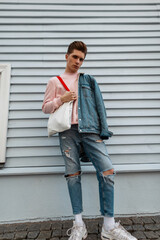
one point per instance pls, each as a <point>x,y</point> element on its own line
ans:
<point>141,227</point>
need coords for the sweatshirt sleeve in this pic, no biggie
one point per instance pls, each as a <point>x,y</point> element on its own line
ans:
<point>51,102</point>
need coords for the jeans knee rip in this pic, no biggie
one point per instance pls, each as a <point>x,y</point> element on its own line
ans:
<point>71,176</point>
<point>67,152</point>
<point>99,140</point>
<point>108,178</point>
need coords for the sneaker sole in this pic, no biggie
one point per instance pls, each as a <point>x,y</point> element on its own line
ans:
<point>85,235</point>
<point>106,238</point>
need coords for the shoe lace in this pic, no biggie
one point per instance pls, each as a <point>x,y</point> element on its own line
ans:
<point>73,232</point>
<point>121,232</point>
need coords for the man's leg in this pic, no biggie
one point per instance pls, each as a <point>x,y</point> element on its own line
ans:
<point>97,152</point>
<point>109,222</point>
<point>69,143</point>
<point>70,147</point>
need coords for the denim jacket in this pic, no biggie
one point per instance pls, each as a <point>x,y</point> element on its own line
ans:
<point>91,110</point>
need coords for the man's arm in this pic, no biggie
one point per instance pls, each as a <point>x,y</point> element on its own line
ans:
<point>51,102</point>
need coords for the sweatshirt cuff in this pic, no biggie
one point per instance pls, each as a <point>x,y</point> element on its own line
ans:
<point>59,102</point>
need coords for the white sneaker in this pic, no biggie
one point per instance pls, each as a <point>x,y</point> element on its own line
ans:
<point>117,233</point>
<point>77,233</point>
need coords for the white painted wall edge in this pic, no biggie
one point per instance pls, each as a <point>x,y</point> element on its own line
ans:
<point>85,169</point>
<point>5,70</point>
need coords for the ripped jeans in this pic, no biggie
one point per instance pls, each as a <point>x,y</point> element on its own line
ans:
<point>70,143</point>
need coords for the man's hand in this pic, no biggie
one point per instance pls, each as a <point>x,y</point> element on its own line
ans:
<point>68,96</point>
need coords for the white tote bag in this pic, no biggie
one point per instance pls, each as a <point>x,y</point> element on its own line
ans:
<point>60,120</point>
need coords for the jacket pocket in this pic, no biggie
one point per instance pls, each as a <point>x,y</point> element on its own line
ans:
<point>87,90</point>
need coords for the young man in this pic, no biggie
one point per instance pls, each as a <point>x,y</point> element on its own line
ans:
<point>89,128</point>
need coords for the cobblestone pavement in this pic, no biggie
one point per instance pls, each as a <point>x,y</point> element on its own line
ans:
<point>141,227</point>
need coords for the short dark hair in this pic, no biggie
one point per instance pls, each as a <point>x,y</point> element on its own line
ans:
<point>78,45</point>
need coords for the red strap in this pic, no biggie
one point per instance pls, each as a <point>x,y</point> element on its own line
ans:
<point>63,83</point>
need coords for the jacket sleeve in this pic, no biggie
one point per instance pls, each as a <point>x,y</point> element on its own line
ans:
<point>105,133</point>
<point>51,102</point>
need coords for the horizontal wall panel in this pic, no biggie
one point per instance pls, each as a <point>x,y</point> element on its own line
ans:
<point>92,71</point>
<point>89,63</point>
<point>81,27</point>
<point>50,57</point>
<point>62,42</point>
<point>79,7</point>
<point>38,105</point>
<point>123,130</point>
<point>50,151</point>
<point>100,49</point>
<point>24,115</point>
<point>130,104</point>
<point>26,132</point>
<point>34,161</point>
<point>16,98</point>
<point>134,112</point>
<point>121,121</point>
<point>25,106</point>
<point>135,130</point>
<point>84,20</point>
<point>90,13</point>
<point>58,160</point>
<point>47,152</point>
<point>112,105</point>
<point>145,95</point>
<point>42,80</point>
<point>133,121</point>
<point>79,35</point>
<point>141,139</point>
<point>117,140</point>
<point>33,142</point>
<point>130,87</point>
<point>31,152</point>
<point>106,88</point>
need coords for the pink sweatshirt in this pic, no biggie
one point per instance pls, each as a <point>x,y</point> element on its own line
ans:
<point>55,90</point>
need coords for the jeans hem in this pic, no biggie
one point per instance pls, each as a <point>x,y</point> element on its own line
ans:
<point>107,215</point>
<point>77,212</point>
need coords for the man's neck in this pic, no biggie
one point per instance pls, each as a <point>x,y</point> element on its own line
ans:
<point>69,72</point>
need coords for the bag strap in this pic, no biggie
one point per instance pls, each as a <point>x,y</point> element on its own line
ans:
<point>63,83</point>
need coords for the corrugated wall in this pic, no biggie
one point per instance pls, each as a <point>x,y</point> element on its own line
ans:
<point>123,39</point>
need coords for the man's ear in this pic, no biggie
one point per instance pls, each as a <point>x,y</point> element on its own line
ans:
<point>66,56</point>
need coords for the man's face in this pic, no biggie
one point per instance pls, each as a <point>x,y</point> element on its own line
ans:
<point>74,61</point>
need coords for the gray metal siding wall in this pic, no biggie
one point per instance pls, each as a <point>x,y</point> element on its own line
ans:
<point>123,39</point>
